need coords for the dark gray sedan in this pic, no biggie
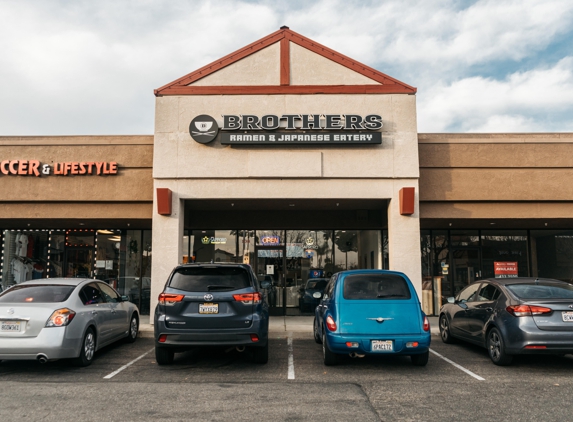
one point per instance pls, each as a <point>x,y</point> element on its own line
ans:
<point>511,316</point>
<point>58,318</point>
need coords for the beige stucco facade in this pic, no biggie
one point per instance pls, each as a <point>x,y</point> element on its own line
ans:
<point>194,171</point>
<point>65,201</point>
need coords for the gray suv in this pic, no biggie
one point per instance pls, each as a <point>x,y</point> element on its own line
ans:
<point>211,305</point>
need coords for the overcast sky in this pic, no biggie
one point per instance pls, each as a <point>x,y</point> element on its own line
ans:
<point>90,67</point>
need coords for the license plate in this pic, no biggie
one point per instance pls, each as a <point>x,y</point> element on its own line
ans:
<point>382,345</point>
<point>208,308</point>
<point>567,316</point>
<point>10,326</point>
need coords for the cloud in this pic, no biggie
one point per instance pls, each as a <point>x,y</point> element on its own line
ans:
<point>86,67</point>
<point>522,102</point>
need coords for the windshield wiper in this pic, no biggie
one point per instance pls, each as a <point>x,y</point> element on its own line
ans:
<point>392,295</point>
<point>219,287</point>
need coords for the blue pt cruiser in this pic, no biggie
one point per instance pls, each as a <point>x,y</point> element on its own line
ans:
<point>371,312</point>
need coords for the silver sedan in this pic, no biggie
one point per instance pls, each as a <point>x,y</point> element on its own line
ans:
<point>60,318</point>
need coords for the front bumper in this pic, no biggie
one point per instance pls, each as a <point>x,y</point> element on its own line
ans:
<point>337,343</point>
<point>51,342</point>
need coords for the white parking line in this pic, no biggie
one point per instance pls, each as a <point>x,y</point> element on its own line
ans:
<point>290,358</point>
<point>467,371</point>
<point>114,373</point>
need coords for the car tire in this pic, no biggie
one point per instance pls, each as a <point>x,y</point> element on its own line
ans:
<point>87,350</point>
<point>316,330</point>
<point>133,329</point>
<point>445,330</point>
<point>261,354</point>
<point>421,359</point>
<point>496,348</point>
<point>329,357</point>
<point>164,356</point>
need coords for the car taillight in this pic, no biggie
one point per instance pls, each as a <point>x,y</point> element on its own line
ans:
<point>60,318</point>
<point>528,310</point>
<point>330,324</point>
<point>170,299</point>
<point>162,338</point>
<point>248,298</point>
<point>426,324</point>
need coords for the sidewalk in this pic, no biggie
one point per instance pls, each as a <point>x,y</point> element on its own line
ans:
<point>279,326</point>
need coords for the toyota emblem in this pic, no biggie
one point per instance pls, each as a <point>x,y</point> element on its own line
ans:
<point>208,297</point>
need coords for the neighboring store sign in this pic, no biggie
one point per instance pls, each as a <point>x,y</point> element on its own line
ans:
<point>505,269</point>
<point>214,240</point>
<point>36,168</point>
<point>316,273</point>
<point>326,129</point>
<point>270,240</point>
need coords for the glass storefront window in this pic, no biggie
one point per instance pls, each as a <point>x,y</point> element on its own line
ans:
<point>356,249</point>
<point>504,253</point>
<point>427,283</point>
<point>107,256</point>
<point>24,256</point>
<point>441,268</point>
<point>552,254</point>
<point>462,238</point>
<point>214,246</point>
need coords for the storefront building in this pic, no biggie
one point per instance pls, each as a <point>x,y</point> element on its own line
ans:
<point>299,161</point>
<point>77,206</point>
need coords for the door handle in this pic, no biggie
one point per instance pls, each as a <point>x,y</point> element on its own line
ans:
<point>489,309</point>
<point>94,312</point>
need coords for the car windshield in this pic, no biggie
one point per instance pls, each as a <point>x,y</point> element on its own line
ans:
<point>34,293</point>
<point>542,290</point>
<point>375,286</point>
<point>210,279</point>
<point>316,283</point>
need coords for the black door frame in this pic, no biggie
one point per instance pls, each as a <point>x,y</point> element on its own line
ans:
<point>279,310</point>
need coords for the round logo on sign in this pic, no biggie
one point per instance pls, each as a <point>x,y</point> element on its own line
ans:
<point>203,129</point>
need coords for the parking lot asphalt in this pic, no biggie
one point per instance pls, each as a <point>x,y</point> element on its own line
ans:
<point>125,383</point>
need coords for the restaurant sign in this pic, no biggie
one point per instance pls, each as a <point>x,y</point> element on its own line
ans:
<point>291,129</point>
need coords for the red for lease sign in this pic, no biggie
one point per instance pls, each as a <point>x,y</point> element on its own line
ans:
<point>505,269</point>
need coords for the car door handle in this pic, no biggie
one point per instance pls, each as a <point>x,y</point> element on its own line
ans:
<point>94,312</point>
<point>489,309</point>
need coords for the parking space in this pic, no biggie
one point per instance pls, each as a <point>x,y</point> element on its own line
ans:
<point>384,387</point>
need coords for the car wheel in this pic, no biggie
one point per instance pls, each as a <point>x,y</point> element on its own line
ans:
<point>261,354</point>
<point>133,329</point>
<point>316,330</point>
<point>329,357</point>
<point>496,348</point>
<point>164,356</point>
<point>421,359</point>
<point>445,330</point>
<point>87,351</point>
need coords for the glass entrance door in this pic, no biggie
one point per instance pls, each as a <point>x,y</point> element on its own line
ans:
<point>270,270</point>
<point>467,267</point>
<point>78,263</point>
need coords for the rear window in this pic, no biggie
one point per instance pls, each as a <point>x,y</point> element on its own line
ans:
<point>37,294</point>
<point>542,290</point>
<point>318,283</point>
<point>375,286</point>
<point>205,279</point>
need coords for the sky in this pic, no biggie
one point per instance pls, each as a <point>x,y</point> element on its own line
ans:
<point>86,67</point>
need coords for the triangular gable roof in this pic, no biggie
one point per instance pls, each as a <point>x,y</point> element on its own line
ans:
<point>387,84</point>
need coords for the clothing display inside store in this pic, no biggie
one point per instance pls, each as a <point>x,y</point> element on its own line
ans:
<point>25,256</point>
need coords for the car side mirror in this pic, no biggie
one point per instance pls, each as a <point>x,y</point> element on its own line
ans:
<point>451,300</point>
<point>265,284</point>
<point>125,298</point>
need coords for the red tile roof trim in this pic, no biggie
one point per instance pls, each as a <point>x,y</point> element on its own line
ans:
<point>284,36</point>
